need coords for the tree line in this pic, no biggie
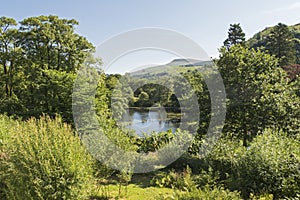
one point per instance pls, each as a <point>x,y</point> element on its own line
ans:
<point>39,57</point>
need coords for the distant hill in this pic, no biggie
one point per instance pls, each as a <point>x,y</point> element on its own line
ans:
<point>188,62</point>
<point>176,65</point>
<point>259,39</point>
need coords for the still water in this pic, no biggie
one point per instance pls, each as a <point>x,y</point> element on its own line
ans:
<point>152,120</point>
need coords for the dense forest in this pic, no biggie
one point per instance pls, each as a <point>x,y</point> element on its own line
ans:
<point>42,155</point>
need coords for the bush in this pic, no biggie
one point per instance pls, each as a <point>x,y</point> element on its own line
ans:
<point>44,161</point>
<point>151,143</point>
<point>270,165</point>
<point>178,180</point>
<point>224,160</point>
<point>5,124</point>
<point>206,178</point>
<point>217,193</point>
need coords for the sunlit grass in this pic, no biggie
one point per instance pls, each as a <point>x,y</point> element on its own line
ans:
<point>134,192</point>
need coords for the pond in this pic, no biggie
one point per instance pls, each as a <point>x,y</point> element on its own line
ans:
<point>146,121</point>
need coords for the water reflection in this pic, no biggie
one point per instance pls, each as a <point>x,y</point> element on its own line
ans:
<point>147,121</point>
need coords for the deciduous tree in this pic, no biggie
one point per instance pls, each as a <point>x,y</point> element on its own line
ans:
<point>258,93</point>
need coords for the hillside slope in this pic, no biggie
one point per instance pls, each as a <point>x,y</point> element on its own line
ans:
<point>259,39</point>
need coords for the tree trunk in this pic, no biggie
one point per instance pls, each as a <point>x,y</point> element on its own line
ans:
<point>6,79</point>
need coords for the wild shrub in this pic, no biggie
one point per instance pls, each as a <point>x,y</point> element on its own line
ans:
<point>269,165</point>
<point>154,141</point>
<point>217,193</point>
<point>45,161</point>
<point>177,180</point>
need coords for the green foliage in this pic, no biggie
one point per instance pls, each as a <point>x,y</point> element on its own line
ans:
<point>51,43</point>
<point>5,138</point>
<point>207,193</point>
<point>280,43</point>
<point>151,93</point>
<point>177,180</point>
<point>44,161</point>
<point>235,36</point>
<point>262,197</point>
<point>258,93</point>
<point>197,82</point>
<point>296,86</point>
<point>151,143</point>
<point>269,165</point>
<point>49,94</point>
<point>206,178</point>
<point>143,100</point>
<point>261,39</point>
<point>39,58</point>
<point>123,178</point>
<point>97,129</point>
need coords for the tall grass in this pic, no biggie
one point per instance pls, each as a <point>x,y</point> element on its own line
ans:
<point>42,159</point>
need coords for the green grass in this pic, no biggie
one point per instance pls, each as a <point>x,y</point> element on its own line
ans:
<point>135,192</point>
<point>139,188</point>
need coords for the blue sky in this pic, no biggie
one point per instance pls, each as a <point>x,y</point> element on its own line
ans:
<point>206,22</point>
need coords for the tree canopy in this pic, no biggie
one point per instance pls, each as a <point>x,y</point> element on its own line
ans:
<point>38,60</point>
<point>258,93</point>
<point>280,43</point>
<point>235,36</point>
<point>281,40</point>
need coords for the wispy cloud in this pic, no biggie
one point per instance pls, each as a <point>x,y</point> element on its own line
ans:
<point>294,6</point>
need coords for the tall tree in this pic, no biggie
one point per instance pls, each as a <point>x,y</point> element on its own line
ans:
<point>258,93</point>
<point>8,48</point>
<point>38,60</point>
<point>11,66</point>
<point>235,36</point>
<point>280,43</point>
<point>52,43</point>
